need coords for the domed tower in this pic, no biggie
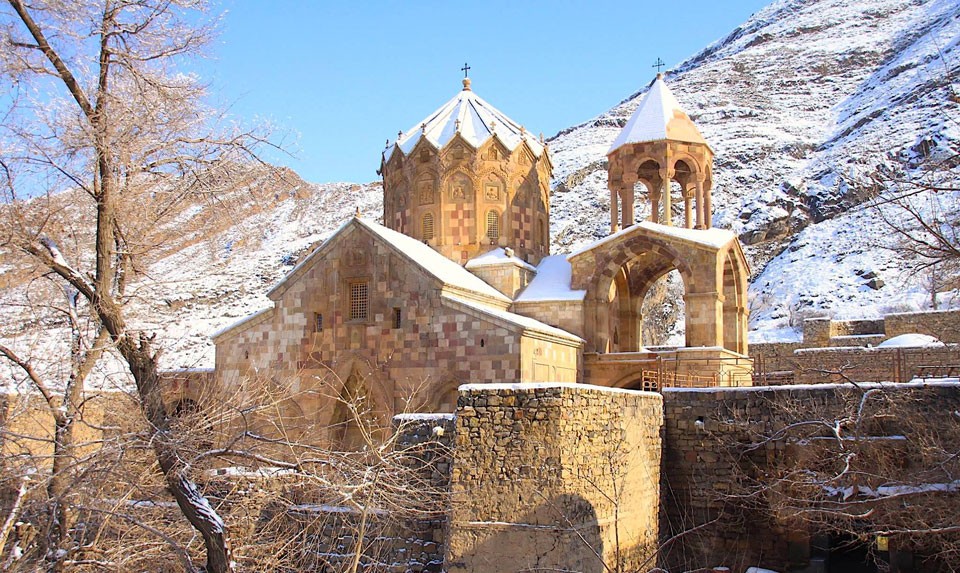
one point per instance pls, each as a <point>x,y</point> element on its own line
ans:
<point>468,179</point>
<point>660,146</point>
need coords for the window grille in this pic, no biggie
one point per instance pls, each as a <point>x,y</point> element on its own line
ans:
<point>318,322</point>
<point>493,225</point>
<point>397,317</point>
<point>427,226</point>
<point>359,302</point>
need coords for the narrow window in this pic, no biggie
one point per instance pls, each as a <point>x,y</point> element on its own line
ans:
<point>427,226</point>
<point>359,303</point>
<point>397,317</point>
<point>493,225</point>
<point>318,322</point>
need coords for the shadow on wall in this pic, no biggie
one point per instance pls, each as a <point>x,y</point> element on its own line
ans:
<point>560,534</point>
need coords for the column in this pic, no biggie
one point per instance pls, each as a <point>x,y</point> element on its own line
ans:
<point>707,209</point>
<point>665,192</point>
<point>688,208</point>
<point>614,199</point>
<point>629,197</point>
<point>699,199</point>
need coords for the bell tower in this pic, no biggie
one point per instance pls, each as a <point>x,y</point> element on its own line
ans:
<point>661,149</point>
<point>467,180</point>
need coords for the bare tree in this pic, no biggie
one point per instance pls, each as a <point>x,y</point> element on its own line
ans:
<point>100,125</point>
<point>868,461</point>
<point>919,202</point>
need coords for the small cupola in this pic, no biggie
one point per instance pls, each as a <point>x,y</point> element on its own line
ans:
<point>660,153</point>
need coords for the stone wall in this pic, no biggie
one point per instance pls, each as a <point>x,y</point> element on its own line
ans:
<point>416,341</point>
<point>943,324</point>
<point>819,365</point>
<point>552,476</point>
<point>706,520</point>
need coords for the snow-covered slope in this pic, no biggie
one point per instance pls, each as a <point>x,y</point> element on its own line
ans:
<point>800,104</point>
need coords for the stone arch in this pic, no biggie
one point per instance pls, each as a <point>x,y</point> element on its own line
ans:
<point>450,186</point>
<point>446,395</point>
<point>627,269</point>
<point>359,415</point>
<point>734,303</point>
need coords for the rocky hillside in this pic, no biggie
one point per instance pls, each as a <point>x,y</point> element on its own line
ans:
<point>804,104</point>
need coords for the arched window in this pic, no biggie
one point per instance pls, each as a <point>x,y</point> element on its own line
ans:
<point>426,227</point>
<point>493,224</point>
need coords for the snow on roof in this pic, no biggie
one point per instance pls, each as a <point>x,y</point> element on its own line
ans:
<point>497,256</point>
<point>524,322</point>
<point>713,238</point>
<point>433,262</point>
<point>552,282</point>
<point>421,254</point>
<point>910,340</point>
<point>241,322</point>
<point>470,116</point>
<point>483,387</point>
<point>658,117</point>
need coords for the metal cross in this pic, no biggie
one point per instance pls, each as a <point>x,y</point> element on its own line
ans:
<point>465,69</point>
<point>658,65</point>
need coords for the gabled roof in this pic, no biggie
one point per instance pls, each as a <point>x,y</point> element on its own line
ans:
<point>706,239</point>
<point>658,117</point>
<point>473,118</point>
<point>448,272</point>
<point>524,323</point>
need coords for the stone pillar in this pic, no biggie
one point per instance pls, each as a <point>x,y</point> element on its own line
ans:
<point>707,209</point>
<point>699,199</point>
<point>628,194</point>
<point>688,208</point>
<point>614,199</point>
<point>704,311</point>
<point>627,208</point>
<point>665,191</point>
<point>602,313</point>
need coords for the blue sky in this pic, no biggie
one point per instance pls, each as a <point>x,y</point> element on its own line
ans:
<point>340,78</point>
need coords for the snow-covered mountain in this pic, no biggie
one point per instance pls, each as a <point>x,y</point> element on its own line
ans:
<point>801,105</point>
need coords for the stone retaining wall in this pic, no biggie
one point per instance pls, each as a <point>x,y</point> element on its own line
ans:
<point>554,477</point>
<point>706,520</point>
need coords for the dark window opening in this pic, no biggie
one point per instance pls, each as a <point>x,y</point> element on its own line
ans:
<point>359,301</point>
<point>397,317</point>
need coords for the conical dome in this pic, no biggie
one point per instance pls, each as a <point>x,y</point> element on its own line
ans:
<point>471,116</point>
<point>467,180</point>
<point>658,117</point>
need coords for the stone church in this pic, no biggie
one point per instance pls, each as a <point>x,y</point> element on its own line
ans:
<point>458,284</point>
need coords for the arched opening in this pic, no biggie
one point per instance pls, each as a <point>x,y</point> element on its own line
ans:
<point>641,201</point>
<point>649,174</point>
<point>354,425</point>
<point>663,312</point>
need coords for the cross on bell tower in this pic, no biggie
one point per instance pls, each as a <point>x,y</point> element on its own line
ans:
<point>658,64</point>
